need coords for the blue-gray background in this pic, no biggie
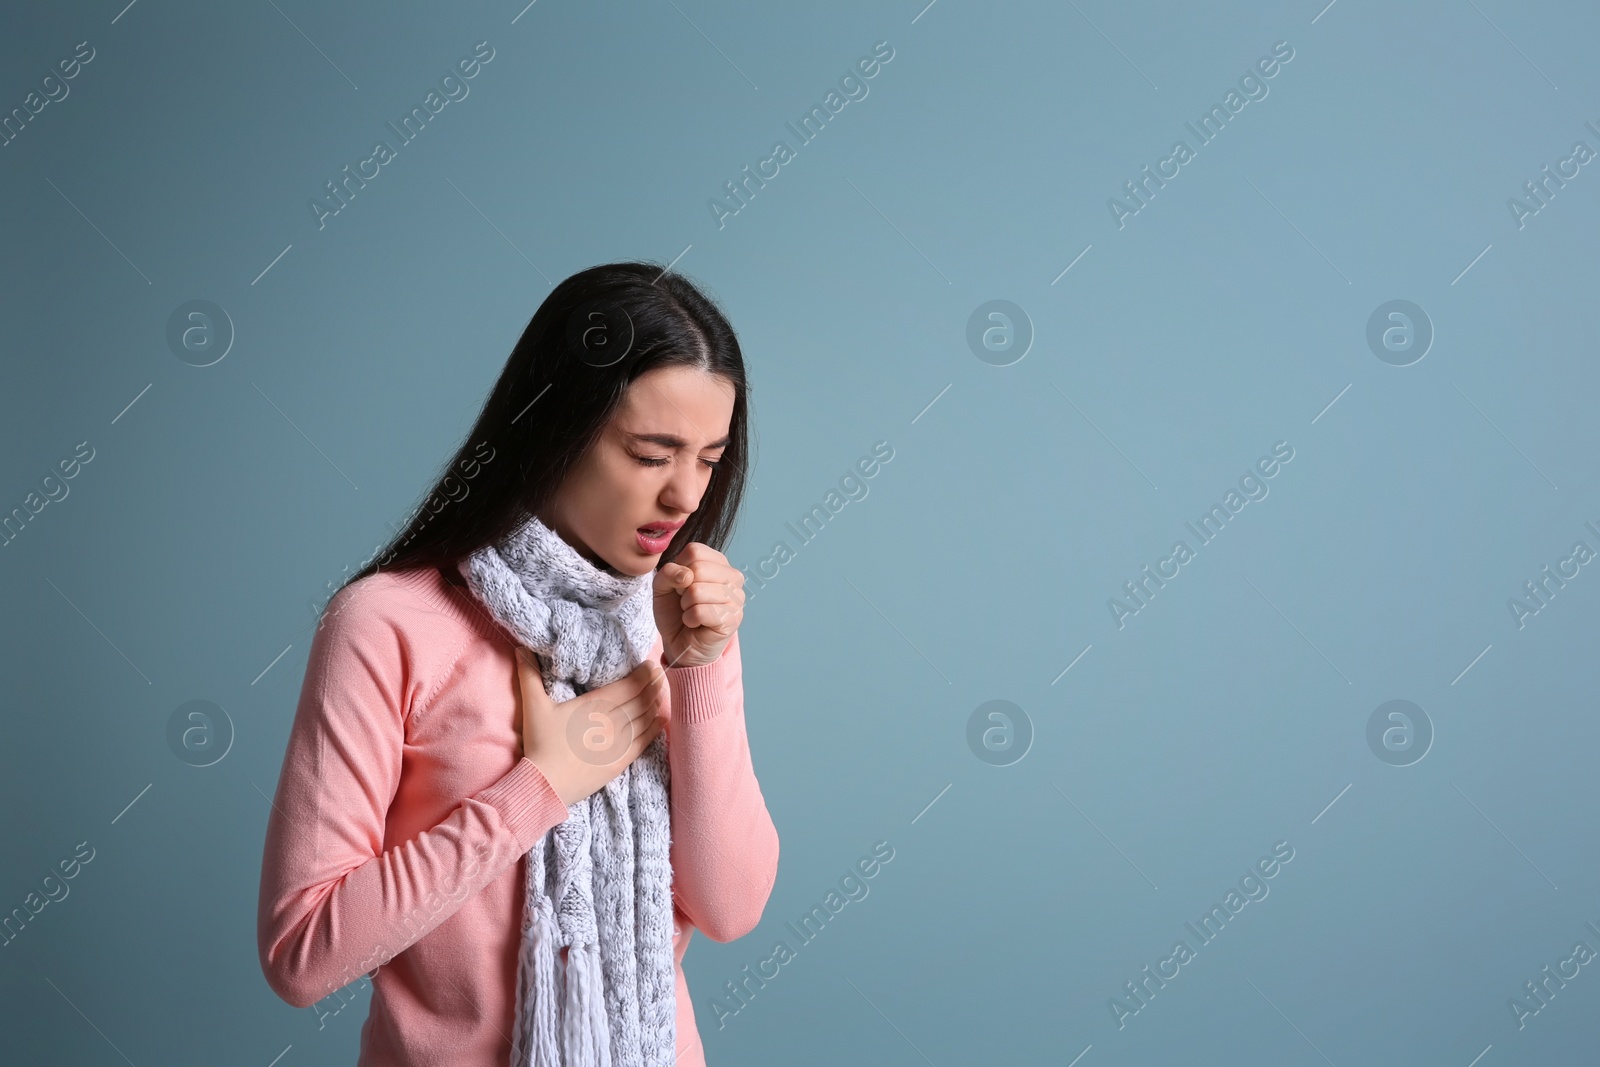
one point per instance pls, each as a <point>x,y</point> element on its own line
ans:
<point>1229,314</point>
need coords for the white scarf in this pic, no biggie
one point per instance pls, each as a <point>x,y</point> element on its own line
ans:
<point>599,883</point>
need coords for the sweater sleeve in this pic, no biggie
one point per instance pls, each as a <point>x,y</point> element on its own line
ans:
<point>334,904</point>
<point>724,844</point>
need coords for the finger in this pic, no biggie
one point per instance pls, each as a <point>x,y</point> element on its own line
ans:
<point>528,676</point>
<point>641,740</point>
<point>671,578</point>
<point>708,593</point>
<point>640,699</point>
<point>607,733</point>
<point>639,732</point>
<point>615,702</point>
<point>646,700</point>
<point>638,680</point>
<point>719,617</point>
<point>720,612</point>
<point>623,715</point>
<point>698,552</point>
<point>682,576</point>
<point>703,557</point>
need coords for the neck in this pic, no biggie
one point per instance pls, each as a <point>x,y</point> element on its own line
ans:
<point>578,546</point>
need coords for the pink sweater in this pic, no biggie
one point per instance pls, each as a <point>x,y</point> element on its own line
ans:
<point>403,813</point>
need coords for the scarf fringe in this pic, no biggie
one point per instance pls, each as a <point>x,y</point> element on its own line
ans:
<point>585,1037</point>
<point>538,1037</point>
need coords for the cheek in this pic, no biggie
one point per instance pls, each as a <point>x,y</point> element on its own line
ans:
<point>617,478</point>
<point>622,491</point>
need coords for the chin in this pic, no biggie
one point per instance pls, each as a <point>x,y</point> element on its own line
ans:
<point>633,564</point>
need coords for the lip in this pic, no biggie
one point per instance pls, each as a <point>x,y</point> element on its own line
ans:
<point>654,546</point>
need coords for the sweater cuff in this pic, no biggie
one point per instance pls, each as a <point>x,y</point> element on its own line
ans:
<point>528,804</point>
<point>709,690</point>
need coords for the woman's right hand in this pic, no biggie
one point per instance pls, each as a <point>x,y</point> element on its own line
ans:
<point>581,744</point>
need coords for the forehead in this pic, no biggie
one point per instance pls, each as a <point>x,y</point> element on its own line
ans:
<point>684,401</point>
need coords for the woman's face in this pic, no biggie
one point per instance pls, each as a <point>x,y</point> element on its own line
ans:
<point>649,468</point>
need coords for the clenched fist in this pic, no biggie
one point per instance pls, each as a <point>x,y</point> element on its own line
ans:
<point>699,603</point>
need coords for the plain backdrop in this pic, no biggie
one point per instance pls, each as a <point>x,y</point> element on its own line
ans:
<point>1162,755</point>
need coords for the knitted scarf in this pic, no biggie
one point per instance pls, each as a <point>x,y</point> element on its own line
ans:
<point>600,883</point>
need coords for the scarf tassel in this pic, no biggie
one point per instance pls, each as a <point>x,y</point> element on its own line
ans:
<point>540,1035</point>
<point>584,1032</point>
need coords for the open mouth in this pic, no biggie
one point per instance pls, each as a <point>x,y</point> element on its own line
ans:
<point>654,538</point>
<point>660,529</point>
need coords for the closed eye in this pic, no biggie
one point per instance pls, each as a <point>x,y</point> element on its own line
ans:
<point>657,461</point>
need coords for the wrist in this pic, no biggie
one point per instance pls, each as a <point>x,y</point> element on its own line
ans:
<point>691,662</point>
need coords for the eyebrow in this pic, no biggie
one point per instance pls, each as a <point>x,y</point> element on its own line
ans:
<point>667,440</point>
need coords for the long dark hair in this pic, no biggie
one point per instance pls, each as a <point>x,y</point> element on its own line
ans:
<point>593,335</point>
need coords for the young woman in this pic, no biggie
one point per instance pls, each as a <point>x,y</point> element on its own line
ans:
<point>425,758</point>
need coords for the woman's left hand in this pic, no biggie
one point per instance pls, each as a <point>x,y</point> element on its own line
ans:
<point>699,603</point>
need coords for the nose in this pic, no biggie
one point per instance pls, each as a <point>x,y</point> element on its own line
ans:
<point>682,491</point>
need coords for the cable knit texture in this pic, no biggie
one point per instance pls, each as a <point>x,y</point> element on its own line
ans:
<point>600,883</point>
